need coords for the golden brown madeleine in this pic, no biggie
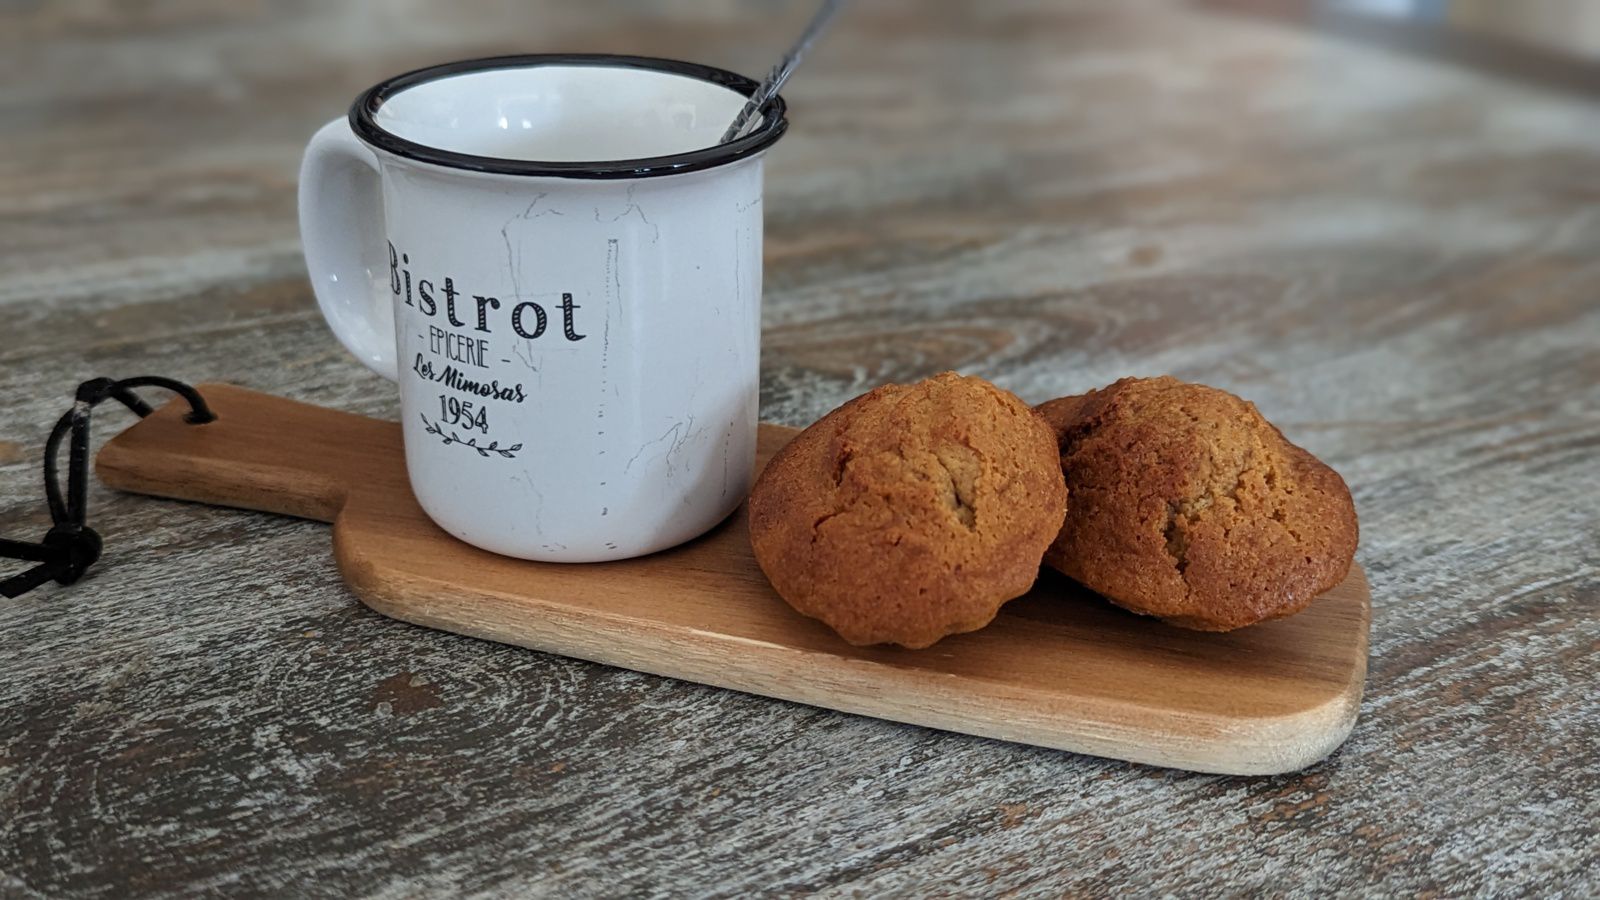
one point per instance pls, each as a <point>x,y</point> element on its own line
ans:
<point>911,512</point>
<point>1189,506</point>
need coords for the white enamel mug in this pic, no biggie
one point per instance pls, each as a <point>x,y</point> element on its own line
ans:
<point>561,267</point>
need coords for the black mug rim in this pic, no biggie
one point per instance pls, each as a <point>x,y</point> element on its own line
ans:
<point>363,120</point>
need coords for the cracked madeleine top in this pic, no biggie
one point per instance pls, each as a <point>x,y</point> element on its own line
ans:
<point>1189,506</point>
<point>911,512</point>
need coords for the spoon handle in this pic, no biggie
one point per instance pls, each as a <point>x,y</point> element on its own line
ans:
<point>781,72</point>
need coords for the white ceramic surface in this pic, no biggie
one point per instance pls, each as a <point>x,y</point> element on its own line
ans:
<point>577,353</point>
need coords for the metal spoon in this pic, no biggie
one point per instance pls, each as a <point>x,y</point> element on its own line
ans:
<point>780,73</point>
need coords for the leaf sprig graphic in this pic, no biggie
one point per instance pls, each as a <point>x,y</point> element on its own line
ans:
<point>491,448</point>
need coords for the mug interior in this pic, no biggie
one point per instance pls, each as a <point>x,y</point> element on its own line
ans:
<point>561,113</point>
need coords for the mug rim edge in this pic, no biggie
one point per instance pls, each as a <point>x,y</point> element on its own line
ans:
<point>363,121</point>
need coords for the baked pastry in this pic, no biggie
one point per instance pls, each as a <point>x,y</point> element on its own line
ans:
<point>1189,506</point>
<point>911,512</point>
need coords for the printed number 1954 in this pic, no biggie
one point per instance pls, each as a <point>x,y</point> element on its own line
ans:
<point>462,413</point>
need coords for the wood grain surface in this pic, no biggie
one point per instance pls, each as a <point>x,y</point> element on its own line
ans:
<point>1398,259</point>
<point>1058,668</point>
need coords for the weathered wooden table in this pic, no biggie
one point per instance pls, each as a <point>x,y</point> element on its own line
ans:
<point>1396,258</point>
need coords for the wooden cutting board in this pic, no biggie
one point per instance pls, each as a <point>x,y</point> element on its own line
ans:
<point>1059,668</point>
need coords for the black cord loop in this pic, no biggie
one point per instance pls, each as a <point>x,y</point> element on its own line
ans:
<point>70,547</point>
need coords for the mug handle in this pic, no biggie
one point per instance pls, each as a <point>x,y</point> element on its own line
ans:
<point>341,208</point>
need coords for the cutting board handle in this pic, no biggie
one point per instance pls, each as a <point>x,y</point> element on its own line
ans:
<point>262,452</point>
